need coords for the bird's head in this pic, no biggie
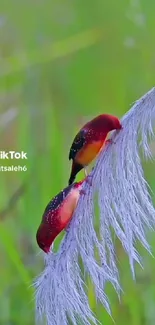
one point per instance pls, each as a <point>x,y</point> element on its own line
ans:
<point>109,122</point>
<point>44,237</point>
<point>116,124</point>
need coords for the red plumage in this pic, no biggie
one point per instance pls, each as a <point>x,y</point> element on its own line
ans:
<point>57,215</point>
<point>90,140</point>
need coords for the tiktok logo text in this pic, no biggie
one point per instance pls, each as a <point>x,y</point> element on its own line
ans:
<point>13,155</point>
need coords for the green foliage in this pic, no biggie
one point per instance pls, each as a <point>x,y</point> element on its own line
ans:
<point>60,65</point>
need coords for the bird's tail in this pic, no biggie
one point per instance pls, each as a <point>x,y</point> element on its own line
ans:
<point>75,169</point>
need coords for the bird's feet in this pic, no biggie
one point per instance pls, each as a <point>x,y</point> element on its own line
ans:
<point>82,192</point>
<point>89,180</point>
<point>109,141</point>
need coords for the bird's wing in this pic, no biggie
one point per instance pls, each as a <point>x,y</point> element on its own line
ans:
<point>78,143</point>
<point>56,202</point>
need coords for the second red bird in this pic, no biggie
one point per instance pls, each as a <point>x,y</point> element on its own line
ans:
<point>57,215</point>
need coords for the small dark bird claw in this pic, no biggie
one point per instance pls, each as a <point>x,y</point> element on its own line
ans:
<point>82,192</point>
<point>88,180</point>
<point>67,229</point>
<point>109,141</point>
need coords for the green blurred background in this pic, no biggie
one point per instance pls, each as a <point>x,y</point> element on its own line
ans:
<point>62,63</point>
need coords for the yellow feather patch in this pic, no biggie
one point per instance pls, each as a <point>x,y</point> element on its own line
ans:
<point>89,152</point>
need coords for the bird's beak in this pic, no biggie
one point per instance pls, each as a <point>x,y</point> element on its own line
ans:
<point>47,250</point>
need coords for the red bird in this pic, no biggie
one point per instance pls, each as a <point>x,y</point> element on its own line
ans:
<point>89,142</point>
<point>57,215</point>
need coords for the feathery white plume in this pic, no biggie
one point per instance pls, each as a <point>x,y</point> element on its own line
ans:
<point>124,206</point>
